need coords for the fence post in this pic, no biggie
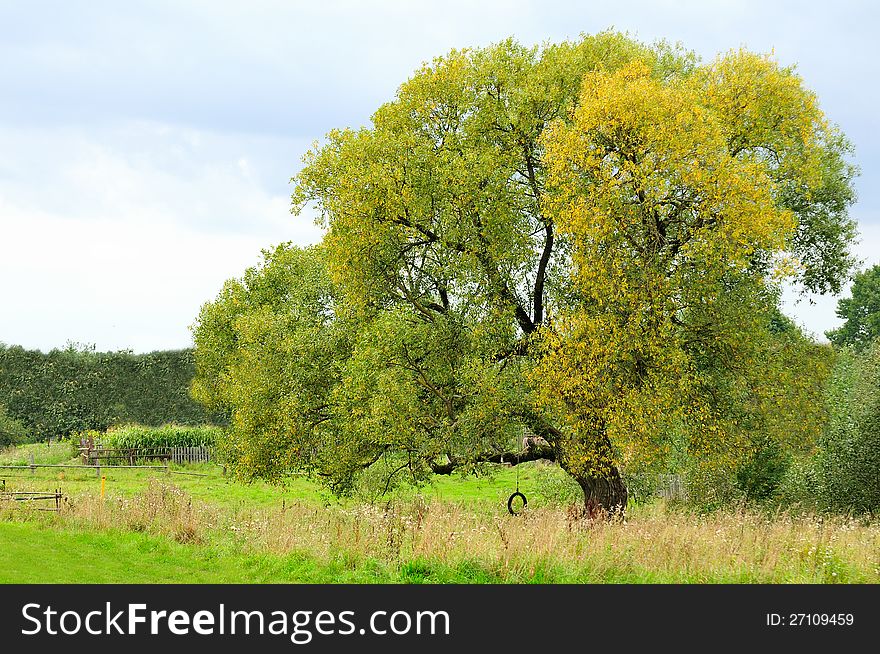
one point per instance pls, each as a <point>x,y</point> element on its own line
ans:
<point>33,467</point>
<point>98,468</point>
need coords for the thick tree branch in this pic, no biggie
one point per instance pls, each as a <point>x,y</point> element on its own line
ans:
<point>513,458</point>
<point>538,300</point>
<point>538,294</point>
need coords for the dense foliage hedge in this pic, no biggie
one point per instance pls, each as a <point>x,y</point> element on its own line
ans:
<point>164,436</point>
<point>76,389</point>
<point>12,431</point>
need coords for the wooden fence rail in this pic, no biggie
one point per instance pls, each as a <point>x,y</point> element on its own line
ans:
<point>97,467</point>
<point>54,498</point>
<point>199,454</point>
<point>111,456</point>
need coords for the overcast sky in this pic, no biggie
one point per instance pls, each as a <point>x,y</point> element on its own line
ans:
<point>146,148</point>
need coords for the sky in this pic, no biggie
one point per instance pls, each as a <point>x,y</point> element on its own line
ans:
<point>146,148</point>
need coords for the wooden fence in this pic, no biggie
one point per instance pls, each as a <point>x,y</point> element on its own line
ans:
<point>199,454</point>
<point>671,487</point>
<point>112,457</point>
<point>46,500</point>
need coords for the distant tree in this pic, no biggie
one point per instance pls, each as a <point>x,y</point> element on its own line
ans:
<point>781,411</point>
<point>860,312</point>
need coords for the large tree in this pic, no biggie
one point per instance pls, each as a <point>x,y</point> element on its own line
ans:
<point>556,238</point>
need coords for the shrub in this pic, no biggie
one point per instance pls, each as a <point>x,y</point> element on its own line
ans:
<point>384,477</point>
<point>800,487</point>
<point>710,488</point>
<point>759,477</point>
<point>848,460</point>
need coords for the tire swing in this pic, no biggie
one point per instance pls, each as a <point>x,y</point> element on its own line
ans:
<point>516,494</point>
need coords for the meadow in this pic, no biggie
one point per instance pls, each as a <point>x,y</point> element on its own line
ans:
<point>194,525</point>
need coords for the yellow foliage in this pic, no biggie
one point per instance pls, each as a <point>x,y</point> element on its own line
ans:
<point>667,196</point>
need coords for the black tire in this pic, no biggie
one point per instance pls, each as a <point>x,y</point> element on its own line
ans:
<point>510,502</point>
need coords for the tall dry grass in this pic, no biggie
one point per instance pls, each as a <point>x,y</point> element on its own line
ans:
<point>653,544</point>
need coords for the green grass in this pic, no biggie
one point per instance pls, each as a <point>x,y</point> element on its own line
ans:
<point>496,486</point>
<point>56,452</point>
<point>158,528</point>
<point>34,553</point>
<point>37,553</point>
<point>213,488</point>
<point>491,489</point>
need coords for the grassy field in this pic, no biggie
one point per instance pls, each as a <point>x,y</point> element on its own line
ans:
<point>205,482</point>
<point>153,527</point>
<point>18,456</point>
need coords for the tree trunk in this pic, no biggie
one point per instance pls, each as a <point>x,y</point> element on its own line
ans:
<point>605,493</point>
<point>604,496</point>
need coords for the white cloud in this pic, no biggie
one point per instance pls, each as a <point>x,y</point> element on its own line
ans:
<point>119,245</point>
<point>146,148</point>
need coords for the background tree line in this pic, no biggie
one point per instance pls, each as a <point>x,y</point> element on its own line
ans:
<point>842,471</point>
<point>53,394</point>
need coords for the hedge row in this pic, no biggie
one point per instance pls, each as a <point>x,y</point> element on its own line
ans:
<point>77,389</point>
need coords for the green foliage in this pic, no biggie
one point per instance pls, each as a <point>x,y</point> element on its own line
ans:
<point>861,312</point>
<point>269,352</point>
<point>379,481</point>
<point>848,460</point>
<point>77,388</point>
<point>710,488</point>
<point>760,475</point>
<point>772,405</point>
<point>12,432</point>
<point>580,239</point>
<point>556,488</point>
<point>800,488</point>
<point>137,436</point>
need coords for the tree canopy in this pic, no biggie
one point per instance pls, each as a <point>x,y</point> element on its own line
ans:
<point>583,240</point>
